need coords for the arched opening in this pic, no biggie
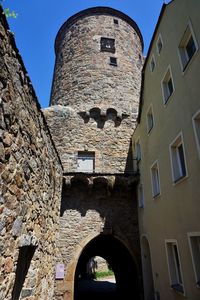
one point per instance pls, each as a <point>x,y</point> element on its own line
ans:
<point>147,270</point>
<point>125,285</point>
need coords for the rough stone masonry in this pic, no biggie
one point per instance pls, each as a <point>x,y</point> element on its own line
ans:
<point>30,183</point>
<point>94,105</point>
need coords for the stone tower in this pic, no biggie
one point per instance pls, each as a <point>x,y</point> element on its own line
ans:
<point>94,105</point>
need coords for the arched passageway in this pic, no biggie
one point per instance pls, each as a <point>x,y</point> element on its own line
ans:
<point>122,264</point>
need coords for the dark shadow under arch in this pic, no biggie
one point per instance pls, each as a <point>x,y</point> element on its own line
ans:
<point>121,261</point>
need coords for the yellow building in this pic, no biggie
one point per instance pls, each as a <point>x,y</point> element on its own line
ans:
<point>166,143</point>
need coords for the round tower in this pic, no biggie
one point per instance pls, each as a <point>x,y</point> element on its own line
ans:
<point>98,60</point>
<point>94,105</point>
<point>96,88</point>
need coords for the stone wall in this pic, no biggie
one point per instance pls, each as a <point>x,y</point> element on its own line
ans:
<point>108,139</point>
<point>30,183</point>
<point>93,109</point>
<point>91,207</point>
<point>84,77</point>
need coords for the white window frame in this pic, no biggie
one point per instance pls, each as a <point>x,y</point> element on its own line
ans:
<point>159,39</point>
<point>88,156</point>
<point>155,179</point>
<point>150,112</point>
<point>154,62</point>
<point>140,193</point>
<point>175,273</point>
<point>164,85</point>
<point>176,166</point>
<point>194,260</point>
<point>195,119</point>
<point>182,52</point>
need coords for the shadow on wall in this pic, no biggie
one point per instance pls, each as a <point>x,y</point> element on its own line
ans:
<point>129,168</point>
<point>108,196</point>
<point>101,116</point>
<point>24,260</point>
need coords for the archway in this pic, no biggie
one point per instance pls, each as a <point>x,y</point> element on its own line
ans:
<point>119,258</point>
<point>147,270</point>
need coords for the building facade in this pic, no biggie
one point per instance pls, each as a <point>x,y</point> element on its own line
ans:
<point>166,144</point>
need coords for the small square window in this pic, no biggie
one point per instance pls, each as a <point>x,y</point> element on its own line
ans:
<point>174,266</point>
<point>86,161</point>
<point>178,159</point>
<point>159,44</point>
<point>155,180</point>
<point>187,47</point>
<point>113,61</point>
<point>167,85</point>
<point>150,120</point>
<point>107,44</point>
<point>116,22</point>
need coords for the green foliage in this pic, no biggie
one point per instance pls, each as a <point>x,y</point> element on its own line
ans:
<point>8,12</point>
<point>104,274</point>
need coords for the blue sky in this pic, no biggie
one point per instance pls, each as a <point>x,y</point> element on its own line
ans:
<point>38,22</point>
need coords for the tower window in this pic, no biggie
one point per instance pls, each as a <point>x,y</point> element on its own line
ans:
<point>113,61</point>
<point>116,22</point>
<point>107,44</point>
<point>86,161</point>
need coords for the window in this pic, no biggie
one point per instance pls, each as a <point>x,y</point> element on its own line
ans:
<point>194,242</point>
<point>152,64</point>
<point>187,47</point>
<point>113,61</point>
<point>175,272</point>
<point>107,44</point>
<point>86,161</point>
<point>116,22</point>
<point>167,85</point>
<point>155,181</point>
<point>140,196</point>
<point>196,125</point>
<point>159,44</point>
<point>178,159</point>
<point>150,120</point>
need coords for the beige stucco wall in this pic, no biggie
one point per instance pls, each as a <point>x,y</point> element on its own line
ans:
<point>176,211</point>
